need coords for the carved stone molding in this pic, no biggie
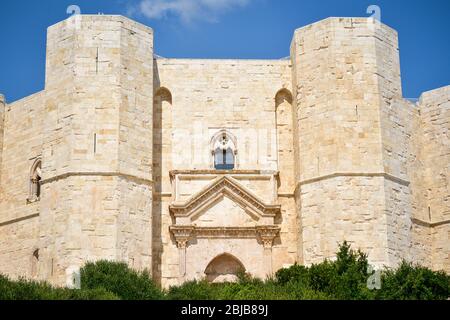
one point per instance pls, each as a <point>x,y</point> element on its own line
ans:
<point>173,173</point>
<point>182,235</point>
<point>266,234</point>
<point>225,185</point>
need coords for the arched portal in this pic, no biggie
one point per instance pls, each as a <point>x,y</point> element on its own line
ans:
<point>224,268</point>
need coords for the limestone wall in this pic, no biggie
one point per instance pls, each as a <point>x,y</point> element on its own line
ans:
<point>431,179</point>
<point>134,243</point>
<point>337,102</point>
<point>398,118</point>
<point>22,145</point>
<point>325,224</point>
<point>435,155</point>
<point>209,95</point>
<point>289,251</point>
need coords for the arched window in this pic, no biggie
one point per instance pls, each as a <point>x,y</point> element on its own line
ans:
<point>224,152</point>
<point>35,181</point>
<point>34,263</point>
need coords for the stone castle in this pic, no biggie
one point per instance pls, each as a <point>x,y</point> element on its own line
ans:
<point>202,168</point>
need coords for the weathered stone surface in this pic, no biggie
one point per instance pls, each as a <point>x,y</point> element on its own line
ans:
<point>325,149</point>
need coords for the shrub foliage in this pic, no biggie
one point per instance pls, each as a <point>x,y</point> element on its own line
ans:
<point>30,290</point>
<point>119,279</point>
<point>345,278</point>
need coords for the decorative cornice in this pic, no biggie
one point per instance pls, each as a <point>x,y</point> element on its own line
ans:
<point>183,234</point>
<point>225,185</point>
<point>173,173</point>
<point>98,174</point>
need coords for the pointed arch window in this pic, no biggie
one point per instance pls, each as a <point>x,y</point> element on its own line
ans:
<point>224,152</point>
<point>35,181</point>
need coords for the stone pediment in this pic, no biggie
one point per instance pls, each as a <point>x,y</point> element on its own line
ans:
<point>225,187</point>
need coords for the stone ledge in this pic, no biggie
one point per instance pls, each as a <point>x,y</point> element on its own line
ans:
<point>430,224</point>
<point>99,174</point>
<point>354,174</point>
<point>222,172</point>
<point>31,216</point>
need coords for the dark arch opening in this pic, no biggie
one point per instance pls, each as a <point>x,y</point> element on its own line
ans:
<point>164,94</point>
<point>224,268</point>
<point>283,95</point>
<point>35,181</point>
<point>34,263</point>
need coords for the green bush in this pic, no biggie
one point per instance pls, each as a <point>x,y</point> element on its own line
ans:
<point>345,278</point>
<point>120,280</point>
<point>295,273</point>
<point>301,291</point>
<point>249,288</point>
<point>193,290</point>
<point>409,282</point>
<point>29,290</point>
<point>94,294</point>
<point>25,290</point>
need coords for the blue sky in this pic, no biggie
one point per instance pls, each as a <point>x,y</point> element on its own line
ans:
<point>246,29</point>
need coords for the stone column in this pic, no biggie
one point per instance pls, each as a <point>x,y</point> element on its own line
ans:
<point>268,256</point>
<point>182,244</point>
<point>182,236</point>
<point>267,235</point>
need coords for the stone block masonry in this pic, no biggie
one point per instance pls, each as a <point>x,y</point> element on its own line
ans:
<point>118,157</point>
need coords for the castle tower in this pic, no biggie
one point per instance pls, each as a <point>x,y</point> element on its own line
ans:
<point>431,180</point>
<point>352,182</point>
<point>97,150</point>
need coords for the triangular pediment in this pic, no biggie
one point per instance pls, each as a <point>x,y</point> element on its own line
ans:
<point>213,215</point>
<point>224,188</point>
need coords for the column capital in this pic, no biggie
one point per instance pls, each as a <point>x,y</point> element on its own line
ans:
<point>267,234</point>
<point>182,235</point>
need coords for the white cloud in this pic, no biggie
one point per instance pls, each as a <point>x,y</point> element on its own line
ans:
<point>187,10</point>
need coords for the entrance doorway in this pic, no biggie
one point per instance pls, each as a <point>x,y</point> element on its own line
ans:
<point>224,268</point>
